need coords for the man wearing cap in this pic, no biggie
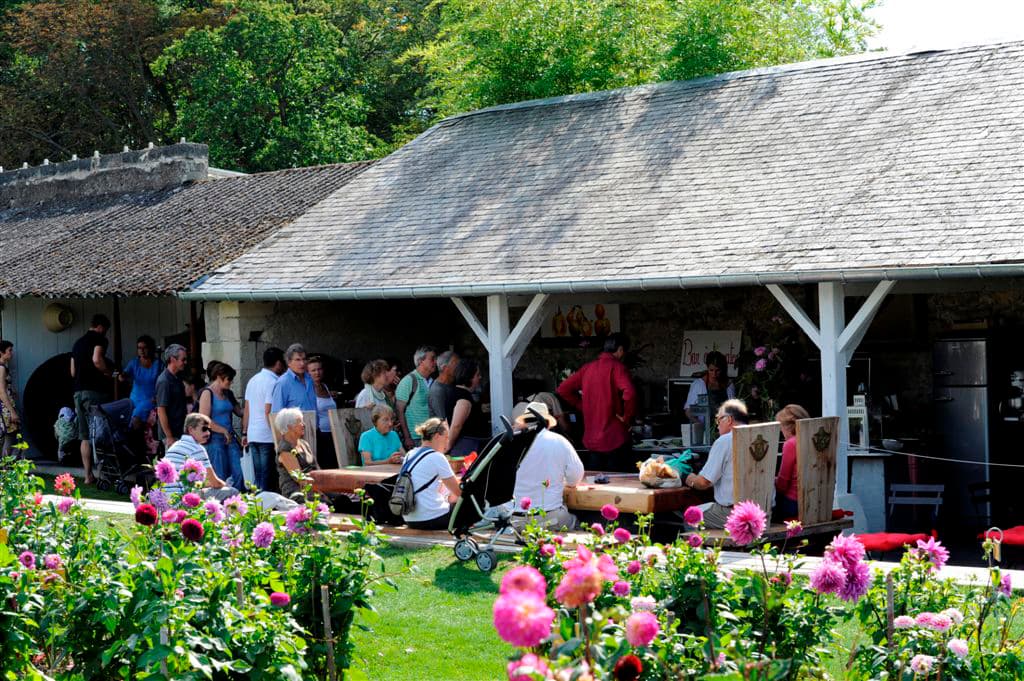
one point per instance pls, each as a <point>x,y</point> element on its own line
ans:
<point>550,464</point>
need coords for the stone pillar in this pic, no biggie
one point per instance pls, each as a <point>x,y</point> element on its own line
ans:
<point>224,335</point>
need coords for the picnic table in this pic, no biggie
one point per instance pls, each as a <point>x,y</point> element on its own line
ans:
<point>623,490</point>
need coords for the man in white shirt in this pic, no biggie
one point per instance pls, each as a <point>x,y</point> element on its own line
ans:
<point>717,472</point>
<point>256,433</point>
<point>550,464</point>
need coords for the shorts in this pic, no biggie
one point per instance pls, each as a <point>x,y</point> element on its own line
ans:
<point>84,401</point>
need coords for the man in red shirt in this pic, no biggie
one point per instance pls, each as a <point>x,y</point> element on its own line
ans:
<point>603,392</point>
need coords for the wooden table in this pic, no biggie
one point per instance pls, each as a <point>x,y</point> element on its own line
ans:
<point>343,480</point>
<point>627,493</point>
<point>630,496</point>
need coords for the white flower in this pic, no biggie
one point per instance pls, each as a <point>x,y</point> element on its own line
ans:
<point>954,614</point>
<point>643,603</point>
<point>958,647</point>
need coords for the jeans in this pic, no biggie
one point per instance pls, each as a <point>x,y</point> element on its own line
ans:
<point>263,465</point>
<point>226,459</point>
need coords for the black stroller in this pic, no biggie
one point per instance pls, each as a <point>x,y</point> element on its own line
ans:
<point>118,463</point>
<point>487,487</point>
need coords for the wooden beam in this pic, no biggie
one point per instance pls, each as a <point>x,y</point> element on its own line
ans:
<point>525,329</point>
<point>471,319</point>
<point>796,312</point>
<point>854,332</point>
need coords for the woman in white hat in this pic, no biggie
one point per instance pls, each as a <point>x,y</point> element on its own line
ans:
<point>550,464</point>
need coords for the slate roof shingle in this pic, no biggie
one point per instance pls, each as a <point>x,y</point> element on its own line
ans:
<point>794,172</point>
<point>153,242</point>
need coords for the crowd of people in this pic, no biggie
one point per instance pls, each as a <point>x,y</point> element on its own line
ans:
<point>423,420</point>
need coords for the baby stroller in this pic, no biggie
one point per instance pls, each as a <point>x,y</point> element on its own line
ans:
<point>487,489</point>
<point>118,463</point>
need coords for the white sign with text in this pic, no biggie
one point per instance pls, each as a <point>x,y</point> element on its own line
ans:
<point>697,345</point>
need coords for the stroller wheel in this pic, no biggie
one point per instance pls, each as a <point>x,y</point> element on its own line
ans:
<point>466,549</point>
<point>122,488</point>
<point>486,560</point>
<point>103,485</point>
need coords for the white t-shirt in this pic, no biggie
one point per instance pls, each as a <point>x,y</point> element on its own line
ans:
<point>718,469</point>
<point>431,502</point>
<point>366,398</point>
<point>550,458</point>
<point>257,394</point>
<point>698,388</point>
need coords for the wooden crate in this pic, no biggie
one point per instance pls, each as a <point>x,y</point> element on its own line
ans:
<point>816,442</point>
<point>755,453</point>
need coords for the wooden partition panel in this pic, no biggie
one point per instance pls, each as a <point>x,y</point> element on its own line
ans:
<point>346,427</point>
<point>755,452</point>
<point>816,442</point>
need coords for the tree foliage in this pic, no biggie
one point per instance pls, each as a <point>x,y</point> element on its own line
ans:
<point>278,83</point>
<point>497,51</point>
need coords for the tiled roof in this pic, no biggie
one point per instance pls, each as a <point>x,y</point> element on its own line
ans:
<point>794,172</point>
<point>154,242</point>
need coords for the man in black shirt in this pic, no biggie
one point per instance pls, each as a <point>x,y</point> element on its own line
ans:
<point>170,396</point>
<point>91,375</point>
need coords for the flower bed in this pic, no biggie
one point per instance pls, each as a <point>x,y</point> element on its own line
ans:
<point>196,589</point>
<point>625,608</point>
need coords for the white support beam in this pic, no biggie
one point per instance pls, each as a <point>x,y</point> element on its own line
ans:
<point>796,312</point>
<point>526,328</point>
<point>854,332</point>
<point>499,364</point>
<point>471,319</point>
<point>831,312</point>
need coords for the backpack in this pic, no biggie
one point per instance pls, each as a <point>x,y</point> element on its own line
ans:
<point>403,496</point>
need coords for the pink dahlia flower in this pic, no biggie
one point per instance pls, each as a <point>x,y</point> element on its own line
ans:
<point>236,504</point>
<point>954,614</point>
<point>1006,585</point>
<point>191,499</point>
<point>522,618</point>
<point>598,529</point>
<point>263,535</point>
<point>903,622</point>
<point>609,512</point>
<point>52,561</point>
<point>620,588</point>
<point>622,535</point>
<point>958,647</point>
<point>693,515</point>
<point>64,484</point>
<point>934,551</point>
<point>828,577</point>
<point>136,496</point>
<point>196,470</point>
<point>524,579</point>
<point>585,575</point>
<point>847,550</point>
<point>27,559</point>
<point>695,540</point>
<point>65,504</point>
<point>296,521</point>
<point>746,522</point>
<point>760,365</point>
<point>633,567</point>
<point>793,528</point>
<point>279,599</point>
<point>858,579</point>
<point>214,510</point>
<point>547,550</point>
<point>527,668</point>
<point>146,514</point>
<point>641,628</point>
<point>166,472</point>
<point>525,503</point>
<point>934,621</point>
<point>760,351</point>
<point>643,603</point>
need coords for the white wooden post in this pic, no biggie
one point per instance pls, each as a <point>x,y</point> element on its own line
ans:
<point>836,340</point>
<point>500,364</point>
<point>504,346</point>
<point>832,319</point>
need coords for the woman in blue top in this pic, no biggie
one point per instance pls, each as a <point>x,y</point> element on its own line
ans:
<point>143,371</point>
<point>381,444</point>
<point>217,401</point>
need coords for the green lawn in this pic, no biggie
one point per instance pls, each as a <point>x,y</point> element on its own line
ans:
<point>437,625</point>
<point>87,491</point>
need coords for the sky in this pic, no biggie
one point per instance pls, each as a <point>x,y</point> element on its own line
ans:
<point>910,25</point>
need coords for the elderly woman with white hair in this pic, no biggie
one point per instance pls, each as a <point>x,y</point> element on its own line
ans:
<point>293,453</point>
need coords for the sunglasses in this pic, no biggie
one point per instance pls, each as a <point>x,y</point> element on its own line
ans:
<point>205,429</point>
<point>718,419</point>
